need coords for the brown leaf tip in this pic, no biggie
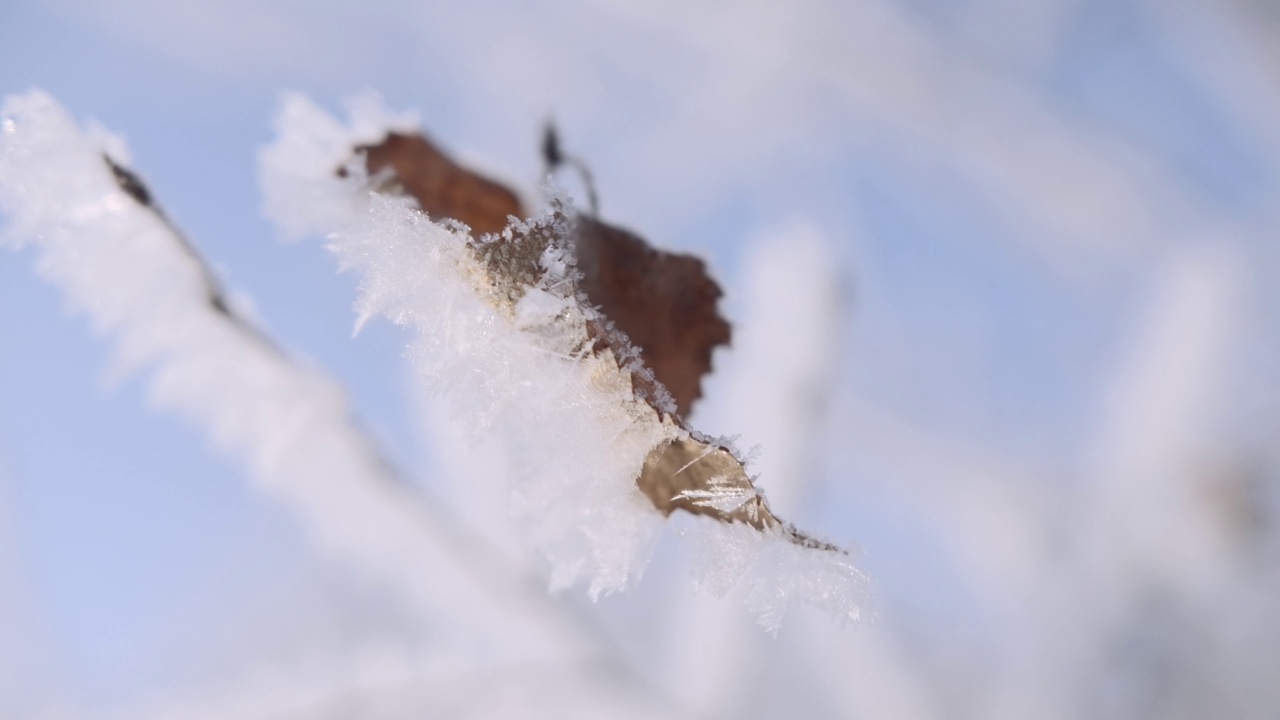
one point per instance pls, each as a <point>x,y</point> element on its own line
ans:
<point>443,188</point>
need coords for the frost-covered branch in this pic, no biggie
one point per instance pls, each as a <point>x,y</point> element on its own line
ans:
<point>507,338</point>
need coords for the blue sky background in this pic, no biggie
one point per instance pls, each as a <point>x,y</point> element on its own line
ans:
<point>998,187</point>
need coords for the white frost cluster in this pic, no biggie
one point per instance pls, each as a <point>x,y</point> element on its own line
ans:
<point>569,417</point>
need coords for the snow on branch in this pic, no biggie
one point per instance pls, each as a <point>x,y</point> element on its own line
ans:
<point>506,335</point>
<point>103,241</point>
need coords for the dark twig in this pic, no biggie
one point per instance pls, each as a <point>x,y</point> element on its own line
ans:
<point>553,156</point>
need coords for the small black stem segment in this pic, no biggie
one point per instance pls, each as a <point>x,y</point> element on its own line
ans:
<point>554,156</point>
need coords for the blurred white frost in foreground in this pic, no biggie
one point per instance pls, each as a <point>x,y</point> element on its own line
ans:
<point>516,364</point>
<point>119,261</point>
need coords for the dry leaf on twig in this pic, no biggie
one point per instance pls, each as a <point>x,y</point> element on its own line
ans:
<point>663,303</point>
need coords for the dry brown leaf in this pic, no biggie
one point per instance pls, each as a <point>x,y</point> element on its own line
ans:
<point>664,304</point>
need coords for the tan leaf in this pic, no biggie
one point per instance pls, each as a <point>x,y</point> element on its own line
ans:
<point>703,478</point>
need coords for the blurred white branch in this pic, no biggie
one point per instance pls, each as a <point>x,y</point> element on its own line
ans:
<point>106,245</point>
